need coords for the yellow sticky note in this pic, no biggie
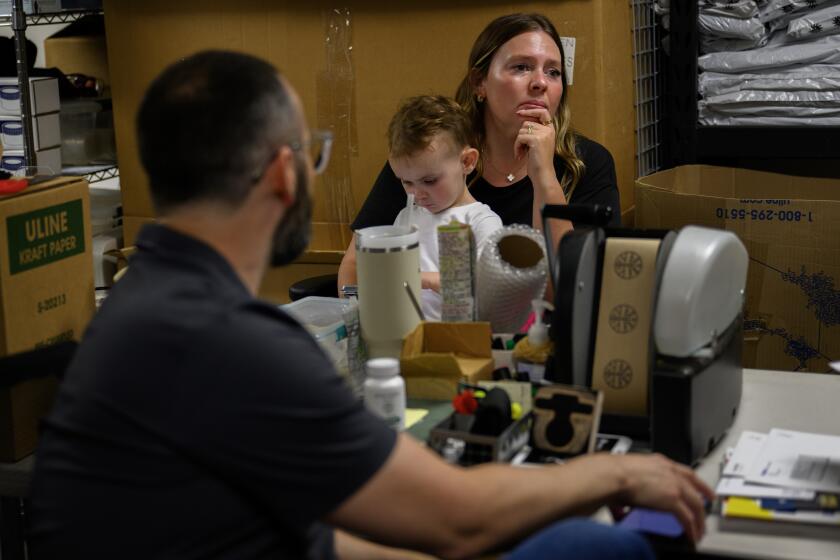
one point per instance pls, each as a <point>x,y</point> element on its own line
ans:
<point>414,415</point>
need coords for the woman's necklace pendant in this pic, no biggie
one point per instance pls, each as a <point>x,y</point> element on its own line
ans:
<point>510,177</point>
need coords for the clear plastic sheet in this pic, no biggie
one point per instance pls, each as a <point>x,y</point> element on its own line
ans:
<point>816,24</point>
<point>731,27</point>
<point>335,105</point>
<point>736,9</point>
<point>822,51</point>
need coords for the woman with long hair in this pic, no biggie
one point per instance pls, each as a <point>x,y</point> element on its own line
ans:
<point>515,92</point>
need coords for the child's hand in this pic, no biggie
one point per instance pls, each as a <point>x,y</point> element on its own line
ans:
<point>430,281</point>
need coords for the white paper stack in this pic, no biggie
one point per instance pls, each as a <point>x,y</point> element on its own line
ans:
<point>782,476</point>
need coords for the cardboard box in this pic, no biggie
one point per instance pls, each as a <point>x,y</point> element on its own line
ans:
<point>43,96</point>
<point>46,132</point>
<point>791,228</point>
<point>21,408</point>
<point>80,48</point>
<point>437,356</point>
<point>46,289</point>
<point>355,92</point>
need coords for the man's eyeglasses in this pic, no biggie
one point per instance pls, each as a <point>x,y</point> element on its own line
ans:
<point>319,146</point>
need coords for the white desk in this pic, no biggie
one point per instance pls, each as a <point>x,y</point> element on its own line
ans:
<point>777,399</point>
<point>771,399</point>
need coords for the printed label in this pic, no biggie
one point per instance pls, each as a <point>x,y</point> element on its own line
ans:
<point>45,235</point>
<point>51,303</point>
<point>60,337</point>
<point>765,214</point>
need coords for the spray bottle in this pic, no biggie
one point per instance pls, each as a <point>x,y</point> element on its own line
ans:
<point>531,353</point>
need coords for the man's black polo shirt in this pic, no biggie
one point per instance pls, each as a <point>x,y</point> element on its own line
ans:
<point>197,422</point>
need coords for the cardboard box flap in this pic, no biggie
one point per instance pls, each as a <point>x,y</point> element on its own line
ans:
<point>451,350</point>
<point>461,339</point>
<point>430,365</point>
<point>51,183</point>
<point>730,182</point>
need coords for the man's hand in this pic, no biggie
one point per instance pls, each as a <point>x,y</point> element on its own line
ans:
<point>657,482</point>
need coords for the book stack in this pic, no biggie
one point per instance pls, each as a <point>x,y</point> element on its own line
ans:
<point>783,476</point>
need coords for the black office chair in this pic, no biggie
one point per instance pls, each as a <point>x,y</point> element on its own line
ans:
<point>324,286</point>
<point>49,361</point>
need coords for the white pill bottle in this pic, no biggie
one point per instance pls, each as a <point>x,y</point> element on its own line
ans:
<point>384,391</point>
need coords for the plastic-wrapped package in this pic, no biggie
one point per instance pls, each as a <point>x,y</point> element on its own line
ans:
<point>731,27</point>
<point>710,118</point>
<point>825,50</point>
<point>773,10</point>
<point>783,22</point>
<point>775,103</point>
<point>818,77</point>
<point>715,44</point>
<point>817,23</point>
<point>662,8</point>
<point>737,8</point>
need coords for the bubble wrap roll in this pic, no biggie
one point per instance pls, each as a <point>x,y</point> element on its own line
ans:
<point>511,270</point>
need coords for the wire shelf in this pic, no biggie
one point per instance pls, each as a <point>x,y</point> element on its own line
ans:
<point>102,175</point>
<point>93,174</point>
<point>645,40</point>
<point>46,19</point>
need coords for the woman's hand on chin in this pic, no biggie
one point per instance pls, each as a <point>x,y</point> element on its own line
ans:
<point>536,141</point>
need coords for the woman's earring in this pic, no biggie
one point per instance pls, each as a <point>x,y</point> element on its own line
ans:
<point>479,98</point>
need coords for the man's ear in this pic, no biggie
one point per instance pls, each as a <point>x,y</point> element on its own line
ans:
<point>281,175</point>
<point>469,159</point>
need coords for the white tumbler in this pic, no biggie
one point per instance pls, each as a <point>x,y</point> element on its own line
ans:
<point>387,258</point>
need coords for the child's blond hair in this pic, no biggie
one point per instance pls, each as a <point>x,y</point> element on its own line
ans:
<point>420,118</point>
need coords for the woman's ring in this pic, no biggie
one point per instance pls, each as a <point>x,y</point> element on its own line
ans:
<point>530,128</point>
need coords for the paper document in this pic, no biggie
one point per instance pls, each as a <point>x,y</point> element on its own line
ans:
<point>414,415</point>
<point>730,486</point>
<point>798,460</point>
<point>747,449</point>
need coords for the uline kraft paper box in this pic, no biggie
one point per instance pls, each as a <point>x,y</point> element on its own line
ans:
<point>46,292</point>
<point>436,356</point>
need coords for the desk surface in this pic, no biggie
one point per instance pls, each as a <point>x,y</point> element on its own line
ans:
<point>806,402</point>
<point>771,399</point>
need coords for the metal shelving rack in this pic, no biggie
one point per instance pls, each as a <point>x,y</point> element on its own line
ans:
<point>19,21</point>
<point>646,81</point>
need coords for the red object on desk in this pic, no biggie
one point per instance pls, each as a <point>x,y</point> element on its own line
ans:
<point>465,403</point>
<point>12,186</point>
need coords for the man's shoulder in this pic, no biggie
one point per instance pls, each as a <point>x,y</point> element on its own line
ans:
<point>146,324</point>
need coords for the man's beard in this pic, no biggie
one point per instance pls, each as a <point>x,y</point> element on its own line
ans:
<point>292,234</point>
